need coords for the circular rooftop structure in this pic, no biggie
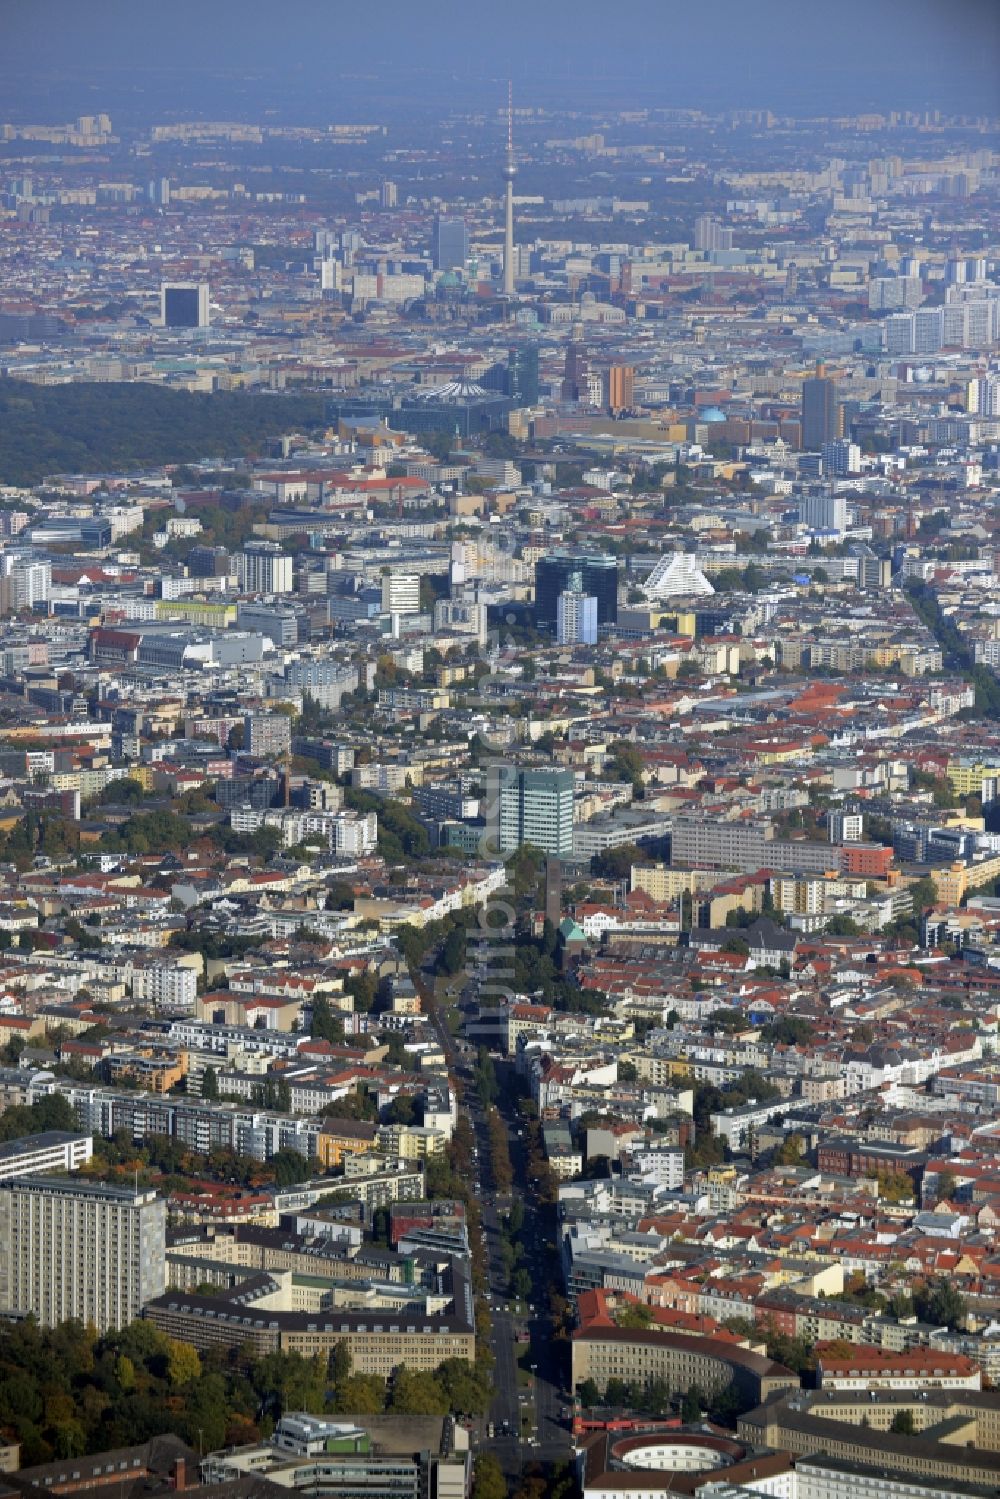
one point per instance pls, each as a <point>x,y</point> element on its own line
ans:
<point>676,1452</point>
<point>454,390</point>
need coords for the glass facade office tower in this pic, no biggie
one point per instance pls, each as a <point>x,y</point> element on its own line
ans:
<point>529,806</point>
<point>821,413</point>
<point>518,378</point>
<point>566,572</point>
<point>451,244</point>
<point>184,305</point>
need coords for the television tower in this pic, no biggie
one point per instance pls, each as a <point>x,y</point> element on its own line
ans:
<point>509,173</point>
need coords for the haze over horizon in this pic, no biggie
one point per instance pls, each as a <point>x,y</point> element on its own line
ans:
<point>309,58</point>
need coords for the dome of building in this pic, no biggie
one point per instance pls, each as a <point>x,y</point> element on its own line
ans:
<point>454,390</point>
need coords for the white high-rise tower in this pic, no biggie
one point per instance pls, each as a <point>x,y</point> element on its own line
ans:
<point>509,173</point>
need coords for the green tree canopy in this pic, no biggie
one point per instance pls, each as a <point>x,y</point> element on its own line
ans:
<point>46,429</point>
<point>488,1481</point>
<point>417,1393</point>
<point>939,1302</point>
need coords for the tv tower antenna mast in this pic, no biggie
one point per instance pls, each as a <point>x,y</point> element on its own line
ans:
<point>509,173</point>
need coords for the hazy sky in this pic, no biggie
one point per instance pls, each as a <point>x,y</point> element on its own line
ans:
<point>58,56</point>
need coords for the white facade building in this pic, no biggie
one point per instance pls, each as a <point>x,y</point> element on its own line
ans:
<point>576,619</point>
<point>52,1150</point>
<point>676,575</point>
<point>80,1251</point>
<point>160,984</point>
<point>262,567</point>
<point>824,512</point>
<point>401,593</point>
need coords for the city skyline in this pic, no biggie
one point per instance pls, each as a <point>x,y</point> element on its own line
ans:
<point>500,750</point>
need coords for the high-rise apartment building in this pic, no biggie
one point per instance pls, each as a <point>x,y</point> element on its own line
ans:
<point>388,194</point>
<point>530,806</point>
<point>955,325</point>
<point>576,370</point>
<point>971,323</point>
<point>983,396</point>
<point>267,734</point>
<point>823,512</point>
<point>567,572</point>
<point>351,242</point>
<point>620,388</point>
<point>522,262</point>
<point>576,619</point>
<point>710,235</point>
<point>982,324</point>
<point>466,615</point>
<point>184,304</point>
<point>897,331</point>
<point>401,593</point>
<point>329,274</point>
<point>91,125</point>
<point>821,414</point>
<point>886,293</point>
<point>841,457</point>
<point>27,581</point>
<point>451,243</point>
<point>845,827</point>
<point>262,567</point>
<point>80,1251</point>
<point>326,682</point>
<point>928,330</point>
